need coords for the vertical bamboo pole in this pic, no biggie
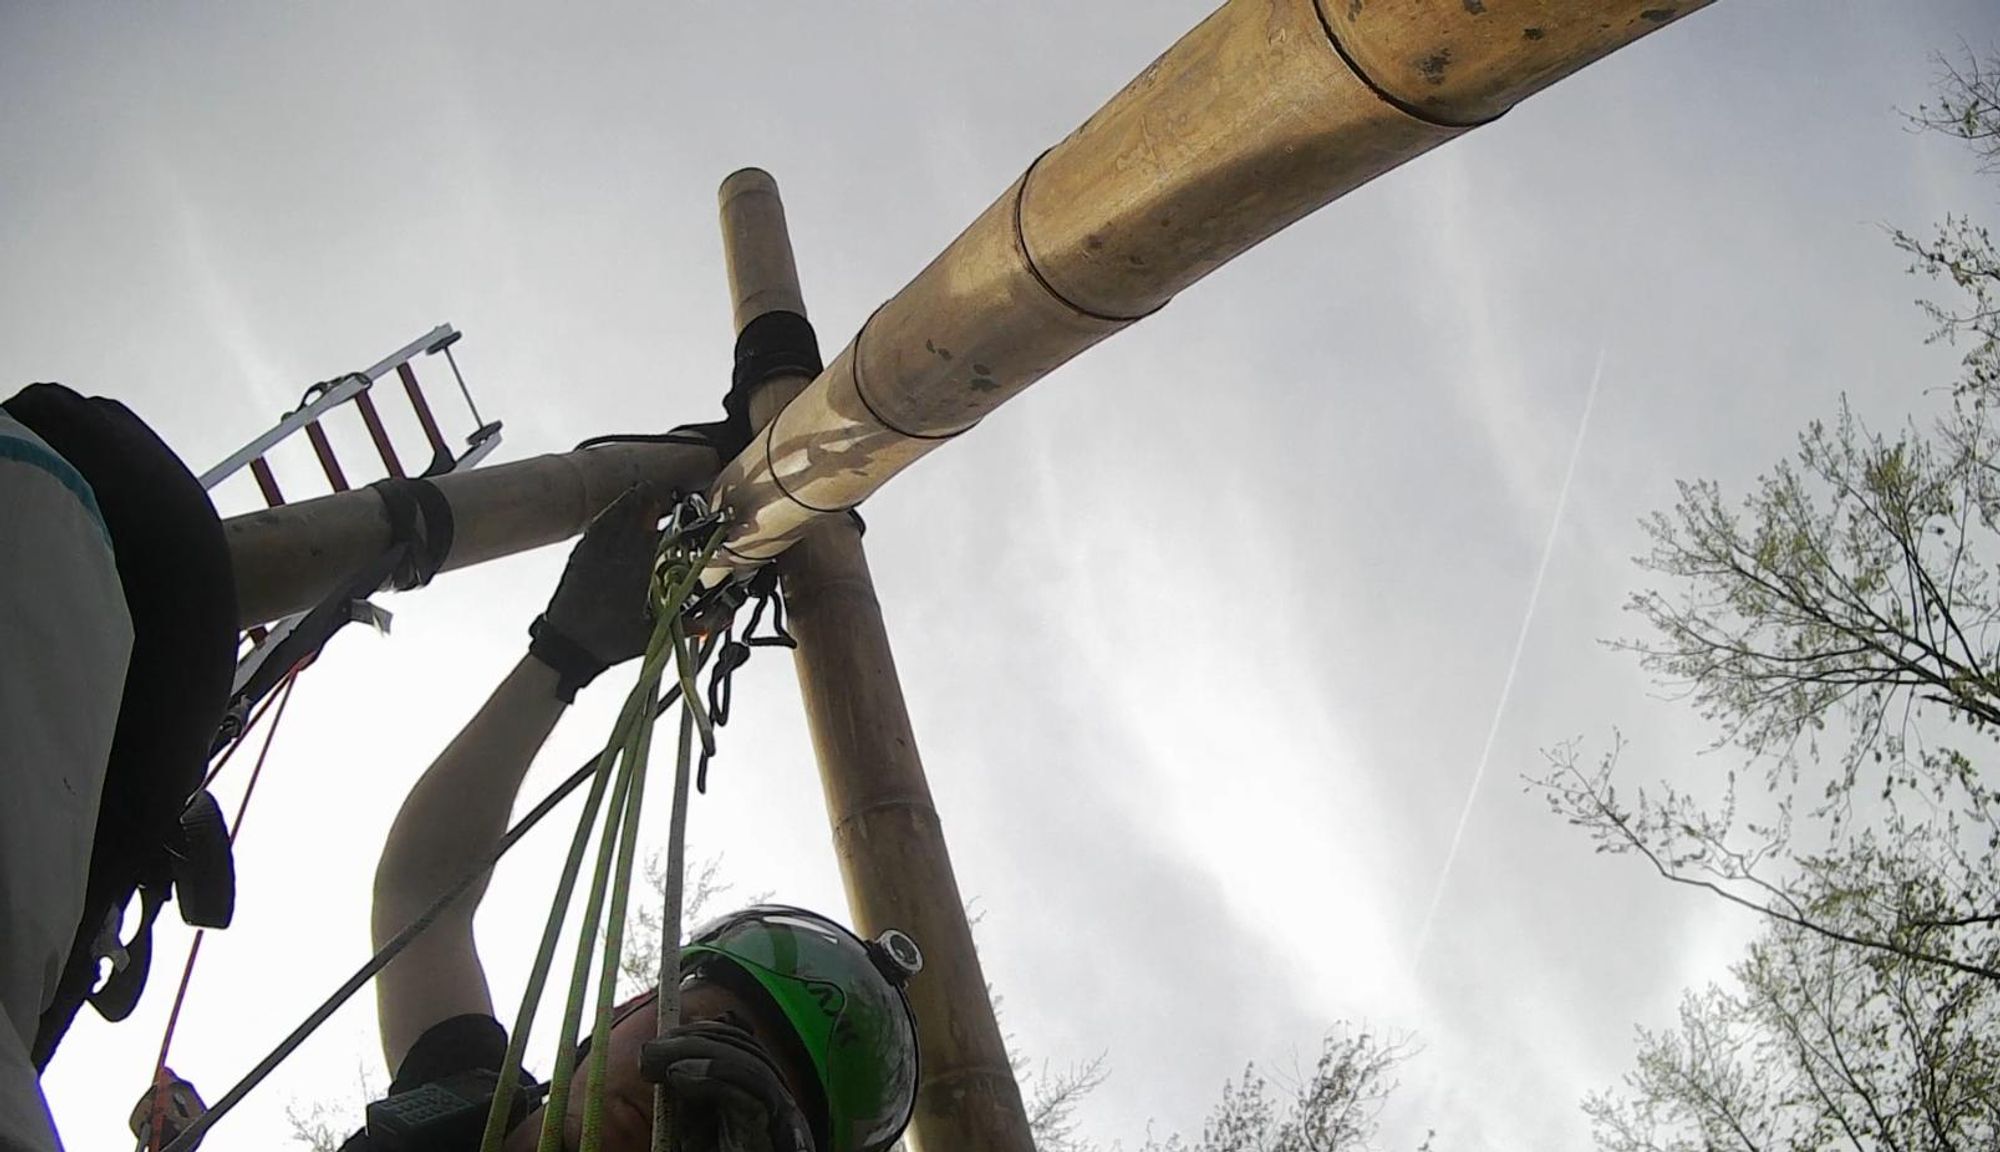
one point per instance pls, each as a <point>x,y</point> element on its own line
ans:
<point>885,827</point>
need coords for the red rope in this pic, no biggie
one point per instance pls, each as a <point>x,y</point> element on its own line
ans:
<point>156,1139</point>
<point>222,762</point>
<point>257,770</point>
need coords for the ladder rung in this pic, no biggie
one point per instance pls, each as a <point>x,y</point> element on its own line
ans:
<point>379,434</point>
<point>267,483</point>
<point>423,408</point>
<point>323,449</point>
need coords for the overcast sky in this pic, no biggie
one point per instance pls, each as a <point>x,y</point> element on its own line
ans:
<point>1203,638</point>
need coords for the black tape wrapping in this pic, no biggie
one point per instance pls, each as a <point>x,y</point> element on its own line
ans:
<point>420,522</point>
<point>774,344</point>
<point>574,665</point>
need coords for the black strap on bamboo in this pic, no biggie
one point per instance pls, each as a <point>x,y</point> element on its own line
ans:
<point>420,517</point>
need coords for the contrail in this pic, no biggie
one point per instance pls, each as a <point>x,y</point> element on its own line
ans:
<point>1514,665</point>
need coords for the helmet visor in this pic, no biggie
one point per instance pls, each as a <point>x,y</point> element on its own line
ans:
<point>854,1025</point>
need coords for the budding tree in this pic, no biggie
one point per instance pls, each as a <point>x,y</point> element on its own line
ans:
<point>1840,625</point>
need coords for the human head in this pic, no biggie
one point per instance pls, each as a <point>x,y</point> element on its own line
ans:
<point>825,1009</point>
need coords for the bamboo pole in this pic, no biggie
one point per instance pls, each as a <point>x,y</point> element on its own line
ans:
<point>288,558</point>
<point>1265,112</point>
<point>887,835</point>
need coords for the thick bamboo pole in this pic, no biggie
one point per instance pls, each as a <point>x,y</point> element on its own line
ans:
<point>1265,112</point>
<point>287,558</point>
<point>887,835</point>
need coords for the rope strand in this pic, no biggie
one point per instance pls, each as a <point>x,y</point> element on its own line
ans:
<point>667,1005</point>
<point>157,1120</point>
<point>677,575</point>
<point>187,1140</point>
<point>614,940</point>
<point>517,1041</point>
<point>556,1107</point>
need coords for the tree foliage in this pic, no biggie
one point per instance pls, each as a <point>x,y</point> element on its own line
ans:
<point>1052,1098</point>
<point>639,962</point>
<point>1840,625</point>
<point>324,1125</point>
<point>1961,253</point>
<point>1818,1045</point>
<point>1336,1107</point>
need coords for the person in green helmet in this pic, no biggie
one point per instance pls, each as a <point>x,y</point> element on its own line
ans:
<point>795,1034</point>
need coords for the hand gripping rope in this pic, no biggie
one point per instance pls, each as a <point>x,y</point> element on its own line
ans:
<point>686,629</point>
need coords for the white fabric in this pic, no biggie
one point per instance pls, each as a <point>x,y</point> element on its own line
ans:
<point>65,637</point>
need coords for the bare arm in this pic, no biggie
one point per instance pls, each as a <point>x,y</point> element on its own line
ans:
<point>448,825</point>
<point>455,816</point>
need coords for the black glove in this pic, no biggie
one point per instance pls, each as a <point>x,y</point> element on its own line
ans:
<point>723,1087</point>
<point>599,615</point>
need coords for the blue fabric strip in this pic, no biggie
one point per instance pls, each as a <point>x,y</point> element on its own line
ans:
<point>35,454</point>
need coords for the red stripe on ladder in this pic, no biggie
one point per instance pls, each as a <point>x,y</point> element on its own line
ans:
<point>423,408</point>
<point>378,434</point>
<point>266,482</point>
<point>323,449</point>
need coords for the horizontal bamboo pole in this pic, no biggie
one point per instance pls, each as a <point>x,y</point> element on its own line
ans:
<point>1265,112</point>
<point>288,558</point>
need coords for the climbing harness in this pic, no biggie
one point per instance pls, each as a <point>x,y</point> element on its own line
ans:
<point>190,610</point>
<point>174,574</point>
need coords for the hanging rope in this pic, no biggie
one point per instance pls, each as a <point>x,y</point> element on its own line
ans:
<point>163,1081</point>
<point>584,773</point>
<point>222,761</point>
<point>667,1003</point>
<point>676,581</point>
<point>557,1106</point>
<point>636,753</point>
<point>517,1042</point>
<point>690,539</point>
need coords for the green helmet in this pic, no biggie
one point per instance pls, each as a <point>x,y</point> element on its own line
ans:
<point>844,999</point>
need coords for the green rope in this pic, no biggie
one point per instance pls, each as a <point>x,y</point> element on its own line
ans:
<point>620,771</point>
<point>556,1107</point>
<point>531,998</point>
<point>667,1006</point>
<point>691,699</point>
<point>614,939</point>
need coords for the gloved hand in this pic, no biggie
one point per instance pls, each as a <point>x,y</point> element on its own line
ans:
<point>725,1092</point>
<point>599,614</point>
